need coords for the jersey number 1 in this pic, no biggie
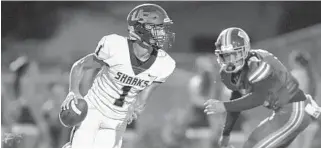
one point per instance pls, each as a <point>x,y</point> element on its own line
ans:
<point>120,101</point>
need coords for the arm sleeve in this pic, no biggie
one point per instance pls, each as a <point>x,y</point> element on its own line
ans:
<point>246,102</point>
<point>231,117</point>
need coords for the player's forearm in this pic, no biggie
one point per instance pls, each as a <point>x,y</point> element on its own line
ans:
<point>139,108</point>
<point>141,102</point>
<point>246,102</point>
<point>231,118</point>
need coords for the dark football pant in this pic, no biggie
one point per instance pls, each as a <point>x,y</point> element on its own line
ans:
<point>281,128</point>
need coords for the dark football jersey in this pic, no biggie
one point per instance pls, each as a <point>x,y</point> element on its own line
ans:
<point>266,77</point>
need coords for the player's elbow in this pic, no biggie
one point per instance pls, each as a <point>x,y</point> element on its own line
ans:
<point>77,65</point>
<point>86,63</point>
<point>80,62</point>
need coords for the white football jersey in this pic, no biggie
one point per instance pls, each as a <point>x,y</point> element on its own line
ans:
<point>119,81</point>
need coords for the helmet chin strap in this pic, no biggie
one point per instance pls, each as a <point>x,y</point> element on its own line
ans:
<point>144,45</point>
<point>232,68</point>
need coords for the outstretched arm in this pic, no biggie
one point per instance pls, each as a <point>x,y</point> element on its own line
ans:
<point>231,117</point>
<point>230,120</point>
<point>246,102</point>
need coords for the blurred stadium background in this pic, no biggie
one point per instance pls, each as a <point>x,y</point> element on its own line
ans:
<point>55,34</point>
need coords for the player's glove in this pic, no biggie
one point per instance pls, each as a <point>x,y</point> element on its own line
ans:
<point>71,96</point>
<point>132,114</point>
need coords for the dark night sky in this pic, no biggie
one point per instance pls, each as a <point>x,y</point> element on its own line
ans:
<point>299,15</point>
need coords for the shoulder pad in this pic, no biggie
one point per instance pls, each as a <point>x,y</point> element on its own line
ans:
<point>113,37</point>
<point>168,67</point>
<point>170,63</point>
<point>262,53</point>
<point>259,71</point>
<point>253,59</point>
<point>107,46</point>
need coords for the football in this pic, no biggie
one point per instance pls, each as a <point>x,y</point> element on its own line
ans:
<point>75,114</point>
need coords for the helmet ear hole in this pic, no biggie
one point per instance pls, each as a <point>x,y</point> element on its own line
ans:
<point>217,45</point>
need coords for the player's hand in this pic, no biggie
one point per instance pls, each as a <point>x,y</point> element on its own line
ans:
<point>133,117</point>
<point>213,106</point>
<point>72,96</point>
<point>133,114</point>
<point>224,142</point>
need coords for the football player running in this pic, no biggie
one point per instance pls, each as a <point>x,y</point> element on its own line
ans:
<point>256,77</point>
<point>130,68</point>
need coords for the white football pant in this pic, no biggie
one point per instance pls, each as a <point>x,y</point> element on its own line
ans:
<point>98,131</point>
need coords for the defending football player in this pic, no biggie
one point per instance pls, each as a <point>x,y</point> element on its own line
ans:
<point>130,68</point>
<point>256,78</point>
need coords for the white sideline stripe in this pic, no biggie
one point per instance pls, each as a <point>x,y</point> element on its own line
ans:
<point>205,133</point>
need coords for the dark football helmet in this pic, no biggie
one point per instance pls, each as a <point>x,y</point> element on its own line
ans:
<point>150,24</point>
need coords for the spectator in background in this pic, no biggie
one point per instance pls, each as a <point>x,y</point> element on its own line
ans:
<point>50,109</point>
<point>25,108</point>
<point>203,86</point>
<point>174,131</point>
<point>8,139</point>
<point>302,70</point>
